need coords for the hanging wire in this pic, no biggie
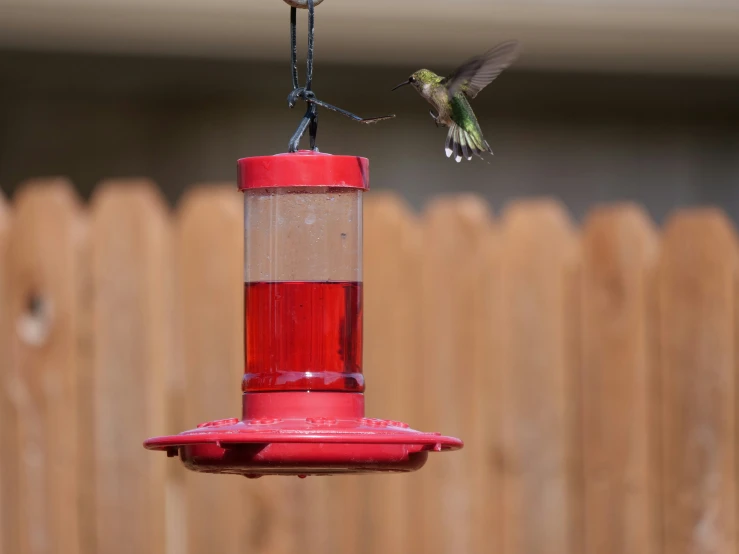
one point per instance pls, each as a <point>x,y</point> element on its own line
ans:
<point>294,45</point>
<point>310,119</point>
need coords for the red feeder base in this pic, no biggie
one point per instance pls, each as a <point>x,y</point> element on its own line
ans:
<point>303,433</point>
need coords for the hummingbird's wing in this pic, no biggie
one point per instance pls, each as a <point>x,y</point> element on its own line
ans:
<point>478,72</point>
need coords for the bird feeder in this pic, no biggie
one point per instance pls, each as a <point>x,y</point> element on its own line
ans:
<point>303,386</point>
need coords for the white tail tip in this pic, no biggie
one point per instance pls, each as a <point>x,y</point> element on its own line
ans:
<point>458,159</point>
<point>448,152</point>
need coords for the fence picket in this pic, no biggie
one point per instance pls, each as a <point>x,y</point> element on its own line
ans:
<point>391,330</point>
<point>210,268</point>
<point>697,299</point>
<point>8,491</point>
<point>539,381</point>
<point>226,514</point>
<point>131,253</point>
<point>47,273</point>
<point>619,253</point>
<point>458,368</point>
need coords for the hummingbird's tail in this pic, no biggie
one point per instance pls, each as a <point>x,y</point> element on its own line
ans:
<point>462,143</point>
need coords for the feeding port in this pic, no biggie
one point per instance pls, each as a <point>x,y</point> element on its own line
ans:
<point>303,386</point>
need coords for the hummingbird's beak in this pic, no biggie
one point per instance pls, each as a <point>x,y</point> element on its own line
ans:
<point>408,82</point>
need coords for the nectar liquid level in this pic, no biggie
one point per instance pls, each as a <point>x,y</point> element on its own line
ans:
<point>303,336</point>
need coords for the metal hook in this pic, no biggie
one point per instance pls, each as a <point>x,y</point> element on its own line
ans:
<point>310,119</point>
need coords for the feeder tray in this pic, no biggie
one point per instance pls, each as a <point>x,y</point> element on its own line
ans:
<point>303,387</point>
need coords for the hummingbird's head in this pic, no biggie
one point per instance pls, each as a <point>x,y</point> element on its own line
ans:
<point>421,80</point>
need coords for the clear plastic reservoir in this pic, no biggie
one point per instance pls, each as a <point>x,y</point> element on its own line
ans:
<point>303,289</point>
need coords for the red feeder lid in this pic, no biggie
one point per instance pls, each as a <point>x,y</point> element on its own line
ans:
<point>304,168</point>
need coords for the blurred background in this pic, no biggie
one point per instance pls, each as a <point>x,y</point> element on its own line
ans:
<point>568,309</point>
<point>610,100</point>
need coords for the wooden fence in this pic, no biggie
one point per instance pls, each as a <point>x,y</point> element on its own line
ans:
<point>590,371</point>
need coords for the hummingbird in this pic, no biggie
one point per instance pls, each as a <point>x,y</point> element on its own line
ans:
<point>450,97</point>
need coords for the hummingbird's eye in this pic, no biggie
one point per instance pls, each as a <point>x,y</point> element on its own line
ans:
<point>412,79</point>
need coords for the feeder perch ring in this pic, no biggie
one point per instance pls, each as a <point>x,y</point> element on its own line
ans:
<point>295,445</point>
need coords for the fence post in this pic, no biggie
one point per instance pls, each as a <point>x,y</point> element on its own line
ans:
<point>458,374</point>
<point>46,271</point>
<point>132,283</point>
<point>619,380</point>
<point>539,398</point>
<point>697,341</point>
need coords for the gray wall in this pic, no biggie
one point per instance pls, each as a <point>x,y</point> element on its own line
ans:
<point>585,138</point>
